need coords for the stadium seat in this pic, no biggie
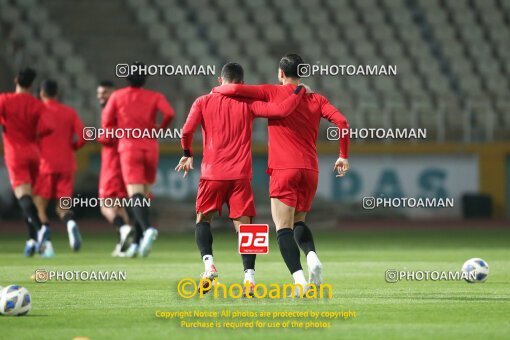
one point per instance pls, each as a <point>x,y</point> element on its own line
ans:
<point>436,45</point>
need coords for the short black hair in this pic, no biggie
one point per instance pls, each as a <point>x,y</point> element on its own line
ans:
<point>289,65</point>
<point>25,77</point>
<point>136,79</point>
<point>106,83</point>
<point>50,88</point>
<point>232,72</point>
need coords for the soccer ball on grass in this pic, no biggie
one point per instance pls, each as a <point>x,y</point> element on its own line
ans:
<point>477,270</point>
<point>15,300</point>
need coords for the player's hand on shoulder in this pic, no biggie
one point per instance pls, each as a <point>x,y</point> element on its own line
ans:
<point>341,166</point>
<point>185,164</point>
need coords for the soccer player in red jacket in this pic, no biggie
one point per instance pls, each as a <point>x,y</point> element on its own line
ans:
<point>226,169</point>
<point>293,164</point>
<point>20,116</point>
<point>58,164</point>
<point>111,184</point>
<point>134,107</point>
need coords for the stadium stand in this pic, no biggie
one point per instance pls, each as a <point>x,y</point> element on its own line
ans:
<point>453,58</point>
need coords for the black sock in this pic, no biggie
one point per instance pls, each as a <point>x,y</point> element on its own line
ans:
<point>204,238</point>
<point>289,249</point>
<point>118,222</point>
<point>30,212</point>
<point>69,215</point>
<point>32,232</point>
<point>138,233</point>
<point>248,261</point>
<point>140,212</point>
<point>48,233</point>
<point>304,238</point>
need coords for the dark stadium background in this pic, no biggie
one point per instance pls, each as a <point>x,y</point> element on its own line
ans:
<point>453,60</point>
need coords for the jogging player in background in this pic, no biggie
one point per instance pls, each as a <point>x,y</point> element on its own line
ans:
<point>58,164</point>
<point>111,184</point>
<point>20,115</point>
<point>226,169</point>
<point>135,108</point>
<point>293,165</point>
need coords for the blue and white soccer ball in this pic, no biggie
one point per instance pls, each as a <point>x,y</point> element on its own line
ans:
<point>15,300</point>
<point>477,270</point>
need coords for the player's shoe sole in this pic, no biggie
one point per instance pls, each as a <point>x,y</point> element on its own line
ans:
<point>74,237</point>
<point>207,279</point>
<point>149,236</point>
<point>43,235</point>
<point>117,252</point>
<point>30,246</point>
<point>315,275</point>
<point>125,233</point>
<point>48,250</point>
<point>300,292</point>
<point>248,289</point>
<point>132,251</point>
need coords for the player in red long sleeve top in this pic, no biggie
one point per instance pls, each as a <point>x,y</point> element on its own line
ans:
<point>293,164</point>
<point>129,108</point>
<point>226,169</point>
<point>58,163</point>
<point>20,115</point>
<point>111,184</point>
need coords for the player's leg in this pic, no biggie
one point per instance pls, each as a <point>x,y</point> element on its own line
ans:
<point>64,183</point>
<point>304,239</point>
<point>210,198</point>
<point>139,172</point>
<point>248,260</point>
<point>140,212</point>
<point>22,173</point>
<point>43,192</point>
<point>302,233</point>
<point>23,194</point>
<point>119,218</point>
<point>111,185</point>
<point>42,204</point>
<point>73,232</point>
<point>204,241</point>
<point>283,218</point>
<point>141,215</point>
<point>44,244</point>
<point>31,242</point>
<point>283,192</point>
<point>242,210</point>
<point>132,250</point>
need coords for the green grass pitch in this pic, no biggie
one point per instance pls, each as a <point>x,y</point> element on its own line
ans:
<point>354,264</point>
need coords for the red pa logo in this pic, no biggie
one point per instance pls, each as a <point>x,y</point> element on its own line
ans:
<point>253,239</point>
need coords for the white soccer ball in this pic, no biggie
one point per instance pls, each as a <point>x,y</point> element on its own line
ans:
<point>477,270</point>
<point>15,300</point>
